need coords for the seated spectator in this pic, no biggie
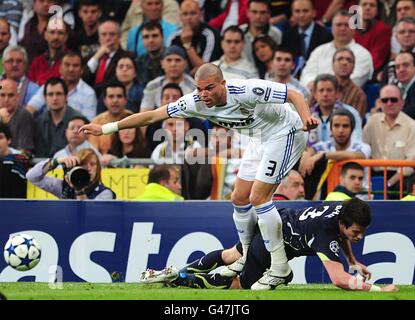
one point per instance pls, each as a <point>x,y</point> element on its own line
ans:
<point>326,9</point>
<point>391,135</point>
<point>149,64</point>
<point>282,65</point>
<point>232,63</point>
<point>15,65</point>
<point>235,14</point>
<point>152,11</point>
<point>163,185</point>
<point>411,196</point>
<point>47,65</point>
<point>13,167</point>
<point>115,100</point>
<point>76,140</point>
<point>404,8</point>
<point>259,15</point>
<point>321,58</point>
<point>12,12</point>
<point>50,126</point>
<point>291,187</point>
<point>341,146</point>
<point>264,48</point>
<point>351,183</point>
<point>66,189</point>
<point>375,35</point>
<point>326,90</point>
<point>201,42</point>
<point>349,92</point>
<point>405,74</point>
<point>20,121</point>
<point>126,73</point>
<point>4,40</point>
<point>305,35</point>
<point>81,96</point>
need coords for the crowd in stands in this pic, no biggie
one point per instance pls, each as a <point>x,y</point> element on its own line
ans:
<point>100,61</point>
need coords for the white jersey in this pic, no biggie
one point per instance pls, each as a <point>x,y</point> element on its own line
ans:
<point>254,107</point>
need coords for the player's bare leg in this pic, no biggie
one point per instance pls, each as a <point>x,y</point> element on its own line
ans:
<point>270,225</point>
<point>245,221</point>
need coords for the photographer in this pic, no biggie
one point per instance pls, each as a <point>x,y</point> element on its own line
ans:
<point>82,179</point>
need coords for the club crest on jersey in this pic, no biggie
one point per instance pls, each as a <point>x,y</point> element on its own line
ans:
<point>334,247</point>
<point>258,91</point>
<point>182,105</point>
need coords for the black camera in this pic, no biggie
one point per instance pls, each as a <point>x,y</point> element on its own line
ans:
<point>79,177</point>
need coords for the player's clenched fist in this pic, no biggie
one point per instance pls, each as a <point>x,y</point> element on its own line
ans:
<point>91,128</point>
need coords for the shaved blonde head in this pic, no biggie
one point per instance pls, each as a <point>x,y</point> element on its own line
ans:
<point>208,70</point>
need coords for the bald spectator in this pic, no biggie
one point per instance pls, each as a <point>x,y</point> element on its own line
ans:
<point>375,35</point>
<point>232,63</point>
<point>259,14</point>
<point>290,188</point>
<point>47,65</point>
<point>4,40</point>
<point>201,42</point>
<point>152,11</point>
<point>20,122</point>
<point>350,93</point>
<point>404,8</point>
<point>391,135</point>
<point>321,58</point>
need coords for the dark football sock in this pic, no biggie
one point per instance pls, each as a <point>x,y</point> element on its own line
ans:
<point>206,263</point>
<point>203,281</point>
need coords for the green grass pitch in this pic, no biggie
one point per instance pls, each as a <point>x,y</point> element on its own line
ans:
<point>131,291</point>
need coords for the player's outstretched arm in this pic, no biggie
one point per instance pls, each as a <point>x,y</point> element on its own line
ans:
<point>134,121</point>
<point>344,280</point>
<point>297,99</point>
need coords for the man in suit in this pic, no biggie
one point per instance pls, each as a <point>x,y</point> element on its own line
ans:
<point>101,66</point>
<point>405,74</point>
<point>306,35</point>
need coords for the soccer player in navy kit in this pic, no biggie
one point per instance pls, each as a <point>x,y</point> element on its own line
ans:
<point>256,108</point>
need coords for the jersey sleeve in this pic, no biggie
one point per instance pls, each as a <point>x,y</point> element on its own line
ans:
<point>182,108</point>
<point>327,246</point>
<point>263,91</point>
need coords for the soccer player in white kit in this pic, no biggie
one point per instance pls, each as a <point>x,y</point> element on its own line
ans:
<point>277,139</point>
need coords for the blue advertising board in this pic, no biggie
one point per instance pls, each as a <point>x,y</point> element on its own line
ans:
<point>89,240</point>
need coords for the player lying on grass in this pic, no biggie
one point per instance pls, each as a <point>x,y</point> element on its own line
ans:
<point>320,230</point>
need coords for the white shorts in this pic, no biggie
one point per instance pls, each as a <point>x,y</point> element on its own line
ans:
<point>271,161</point>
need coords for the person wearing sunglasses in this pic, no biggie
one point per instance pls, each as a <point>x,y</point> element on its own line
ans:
<point>391,135</point>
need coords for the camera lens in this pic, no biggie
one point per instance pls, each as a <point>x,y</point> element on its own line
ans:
<point>79,177</point>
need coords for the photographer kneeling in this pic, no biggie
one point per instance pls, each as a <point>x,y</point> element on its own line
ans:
<point>82,179</point>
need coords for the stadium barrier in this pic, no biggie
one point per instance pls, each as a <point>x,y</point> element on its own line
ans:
<point>333,178</point>
<point>95,240</point>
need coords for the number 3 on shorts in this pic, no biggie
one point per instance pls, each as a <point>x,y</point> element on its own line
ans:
<point>271,168</point>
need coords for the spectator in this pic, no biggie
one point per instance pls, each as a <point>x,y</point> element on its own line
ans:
<point>232,63</point>
<point>264,48</point>
<point>283,65</point>
<point>306,35</point>
<point>411,196</point>
<point>405,74</point>
<point>51,125</point>
<point>174,65</point>
<point>47,64</point>
<point>65,189</point>
<point>375,35</point>
<point>326,9</point>
<point>280,12</point>
<point>341,146</point>
<point>4,40</point>
<point>259,15</point>
<point>134,17</point>
<point>321,58</point>
<point>21,122</point>
<point>201,42</point>
<point>234,15</point>
<point>86,37</point>
<point>129,143</point>
<point>349,92</point>
<point>76,140</point>
<point>404,8</point>
<point>149,64</point>
<point>81,96</point>
<point>391,135</point>
<point>290,188</point>
<point>12,11</point>
<point>15,65</point>
<point>351,183</point>
<point>115,100</point>
<point>13,167</point>
<point>163,185</point>
<point>152,11</point>
<point>387,12</point>
<point>101,66</point>
<point>326,92</point>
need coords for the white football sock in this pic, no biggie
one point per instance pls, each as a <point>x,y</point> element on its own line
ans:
<point>245,220</point>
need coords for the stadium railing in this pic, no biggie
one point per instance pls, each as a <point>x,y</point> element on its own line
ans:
<point>333,177</point>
